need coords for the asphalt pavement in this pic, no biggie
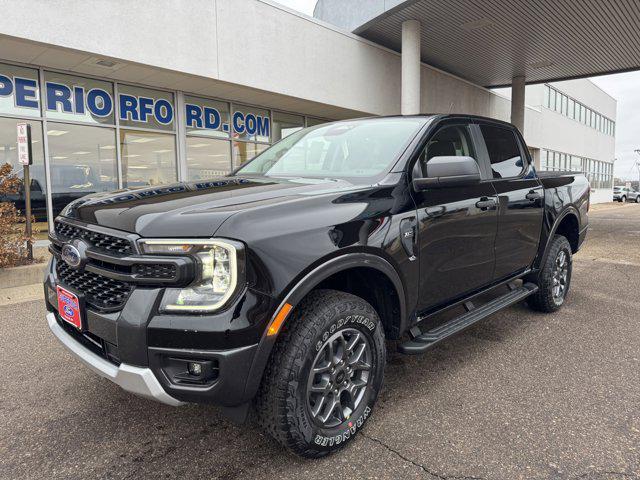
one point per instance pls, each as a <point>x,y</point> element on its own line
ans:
<point>521,395</point>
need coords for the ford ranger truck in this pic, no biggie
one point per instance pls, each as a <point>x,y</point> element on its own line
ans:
<point>273,289</point>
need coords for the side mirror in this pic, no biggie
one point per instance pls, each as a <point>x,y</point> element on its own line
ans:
<point>448,172</point>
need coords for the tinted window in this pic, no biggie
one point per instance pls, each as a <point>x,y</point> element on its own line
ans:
<point>450,141</point>
<point>503,151</point>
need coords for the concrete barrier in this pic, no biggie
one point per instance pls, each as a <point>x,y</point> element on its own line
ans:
<point>24,275</point>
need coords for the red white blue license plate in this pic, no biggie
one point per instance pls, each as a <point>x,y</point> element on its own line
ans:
<point>69,307</point>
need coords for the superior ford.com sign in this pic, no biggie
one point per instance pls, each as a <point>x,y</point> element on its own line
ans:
<point>77,100</point>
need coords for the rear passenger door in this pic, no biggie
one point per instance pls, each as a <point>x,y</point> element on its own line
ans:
<point>520,199</point>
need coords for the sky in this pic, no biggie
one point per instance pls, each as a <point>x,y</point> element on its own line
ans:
<point>624,87</point>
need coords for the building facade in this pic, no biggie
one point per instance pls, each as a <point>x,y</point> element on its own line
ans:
<point>141,107</point>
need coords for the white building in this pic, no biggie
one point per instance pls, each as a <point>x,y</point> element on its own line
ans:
<point>185,90</point>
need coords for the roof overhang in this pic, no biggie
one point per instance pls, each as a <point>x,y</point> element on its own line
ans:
<point>489,42</point>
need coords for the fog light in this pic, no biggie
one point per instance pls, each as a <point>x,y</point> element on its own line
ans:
<point>195,368</point>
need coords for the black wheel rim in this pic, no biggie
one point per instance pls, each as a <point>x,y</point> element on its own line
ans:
<point>560,276</point>
<point>339,377</point>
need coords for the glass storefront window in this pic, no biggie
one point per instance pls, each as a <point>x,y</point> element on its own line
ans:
<point>19,91</point>
<point>284,124</point>
<point>250,123</point>
<point>145,108</point>
<point>148,158</point>
<point>207,158</point>
<point>206,117</point>
<point>9,154</point>
<point>244,151</point>
<point>82,161</point>
<point>78,99</point>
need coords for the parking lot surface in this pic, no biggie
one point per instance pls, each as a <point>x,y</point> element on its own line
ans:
<point>521,395</point>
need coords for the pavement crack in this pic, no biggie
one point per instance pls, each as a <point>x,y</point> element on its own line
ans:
<point>419,465</point>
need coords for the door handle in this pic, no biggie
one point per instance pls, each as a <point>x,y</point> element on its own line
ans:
<point>533,196</point>
<point>485,203</point>
<point>435,211</point>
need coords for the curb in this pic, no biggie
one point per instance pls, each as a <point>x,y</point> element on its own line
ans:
<point>23,275</point>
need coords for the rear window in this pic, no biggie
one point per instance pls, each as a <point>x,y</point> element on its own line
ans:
<point>504,153</point>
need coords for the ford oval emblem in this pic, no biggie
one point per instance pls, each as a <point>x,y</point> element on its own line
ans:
<point>71,255</point>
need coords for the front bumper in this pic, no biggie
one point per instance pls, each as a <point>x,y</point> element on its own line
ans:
<point>140,381</point>
<point>139,348</point>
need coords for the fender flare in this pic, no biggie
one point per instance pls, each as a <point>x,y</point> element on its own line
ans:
<point>570,210</point>
<point>303,287</point>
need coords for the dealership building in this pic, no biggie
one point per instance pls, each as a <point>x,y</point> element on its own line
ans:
<point>188,90</point>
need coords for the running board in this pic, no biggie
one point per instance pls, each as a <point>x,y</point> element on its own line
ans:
<point>426,340</point>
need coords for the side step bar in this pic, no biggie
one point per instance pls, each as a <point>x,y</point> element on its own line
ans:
<point>426,340</point>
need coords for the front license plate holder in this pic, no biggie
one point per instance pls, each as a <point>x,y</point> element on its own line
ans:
<point>70,307</point>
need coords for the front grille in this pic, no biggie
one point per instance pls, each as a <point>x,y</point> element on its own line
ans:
<point>158,270</point>
<point>100,241</point>
<point>100,292</point>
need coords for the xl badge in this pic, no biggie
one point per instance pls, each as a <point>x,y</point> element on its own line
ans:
<point>73,254</point>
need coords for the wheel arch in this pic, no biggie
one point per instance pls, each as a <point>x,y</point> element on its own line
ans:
<point>328,275</point>
<point>566,224</point>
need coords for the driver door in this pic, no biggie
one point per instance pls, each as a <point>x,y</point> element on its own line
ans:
<point>457,225</point>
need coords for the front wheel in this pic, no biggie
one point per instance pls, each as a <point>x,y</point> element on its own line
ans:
<point>554,278</point>
<point>623,200</point>
<point>324,375</point>
<point>638,199</point>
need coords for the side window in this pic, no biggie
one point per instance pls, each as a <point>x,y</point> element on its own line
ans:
<point>504,152</point>
<point>449,141</point>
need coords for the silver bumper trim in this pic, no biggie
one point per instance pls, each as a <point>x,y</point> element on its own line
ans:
<point>138,380</point>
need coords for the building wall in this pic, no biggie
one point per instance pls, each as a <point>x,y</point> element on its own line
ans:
<point>259,53</point>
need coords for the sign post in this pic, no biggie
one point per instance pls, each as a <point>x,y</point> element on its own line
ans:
<point>25,157</point>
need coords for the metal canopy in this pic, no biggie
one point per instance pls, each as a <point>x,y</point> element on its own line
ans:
<point>488,42</point>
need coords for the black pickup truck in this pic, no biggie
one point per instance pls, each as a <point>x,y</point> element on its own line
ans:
<point>276,286</point>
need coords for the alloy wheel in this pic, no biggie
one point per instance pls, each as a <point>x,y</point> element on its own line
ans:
<point>560,276</point>
<point>339,378</point>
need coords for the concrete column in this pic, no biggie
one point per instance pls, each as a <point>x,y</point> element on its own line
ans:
<point>517,102</point>
<point>410,99</point>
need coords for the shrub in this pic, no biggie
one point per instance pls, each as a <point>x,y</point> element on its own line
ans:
<point>13,246</point>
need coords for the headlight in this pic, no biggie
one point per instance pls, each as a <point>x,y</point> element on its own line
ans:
<point>216,279</point>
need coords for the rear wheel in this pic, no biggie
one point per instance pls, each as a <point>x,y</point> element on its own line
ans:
<point>554,278</point>
<point>637,198</point>
<point>324,375</point>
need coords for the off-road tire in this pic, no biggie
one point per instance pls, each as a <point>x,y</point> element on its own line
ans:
<point>282,404</point>
<point>543,300</point>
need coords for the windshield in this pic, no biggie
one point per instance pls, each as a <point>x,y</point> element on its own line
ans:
<point>357,150</point>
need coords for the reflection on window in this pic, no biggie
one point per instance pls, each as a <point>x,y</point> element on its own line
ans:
<point>147,158</point>
<point>78,99</point>
<point>206,117</point>
<point>284,124</point>
<point>504,152</point>
<point>245,151</point>
<point>19,91</point>
<point>146,108</point>
<point>250,123</point>
<point>83,161</point>
<point>207,158</point>
<point>9,154</point>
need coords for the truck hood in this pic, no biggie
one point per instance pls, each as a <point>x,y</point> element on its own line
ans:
<point>193,209</point>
